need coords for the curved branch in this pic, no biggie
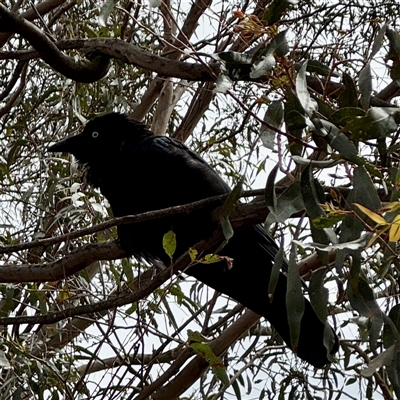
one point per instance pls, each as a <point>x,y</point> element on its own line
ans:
<point>32,13</point>
<point>90,71</point>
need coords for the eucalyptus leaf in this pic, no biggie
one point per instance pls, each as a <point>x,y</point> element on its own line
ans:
<point>378,40</point>
<point>105,11</point>
<point>273,117</point>
<point>294,299</point>
<point>365,85</point>
<point>309,104</point>
<point>286,204</point>
<point>279,46</point>
<point>381,360</point>
<point>319,294</point>
<point>353,245</point>
<point>377,123</point>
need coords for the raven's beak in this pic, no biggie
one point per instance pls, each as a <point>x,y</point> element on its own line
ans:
<point>63,146</point>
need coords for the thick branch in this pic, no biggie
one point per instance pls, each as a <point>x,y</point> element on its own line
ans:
<point>32,13</point>
<point>72,263</point>
<point>49,52</point>
<point>148,283</point>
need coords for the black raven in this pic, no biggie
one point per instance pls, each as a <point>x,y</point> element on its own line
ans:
<point>138,171</point>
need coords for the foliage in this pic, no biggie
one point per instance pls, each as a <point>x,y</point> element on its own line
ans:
<point>309,86</point>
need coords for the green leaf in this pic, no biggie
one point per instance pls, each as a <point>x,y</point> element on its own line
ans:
<point>287,204</point>
<point>15,150</point>
<point>215,363</point>
<point>394,54</point>
<point>275,271</point>
<point>309,194</point>
<point>391,331</point>
<point>295,123</point>
<point>365,85</point>
<point>349,97</point>
<point>132,309</point>
<point>366,192</point>
<point>309,105</point>
<point>128,271</point>
<point>377,123</point>
<point>169,243</point>
<point>228,206</point>
<point>319,294</point>
<point>312,204</point>
<point>378,40</point>
<point>236,389</point>
<point>357,244</point>
<point>226,227</point>
<point>106,10</point>
<point>362,299</point>
<point>328,221</point>
<point>294,299</point>
<point>382,359</point>
<point>345,147</point>
<point>274,11</point>
<point>193,254</point>
<point>346,114</point>
<point>233,197</point>
<point>264,60</point>
<point>269,192</point>
<point>210,259</point>
<point>393,371</point>
<point>273,117</point>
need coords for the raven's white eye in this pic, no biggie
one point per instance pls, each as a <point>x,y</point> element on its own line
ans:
<point>95,134</point>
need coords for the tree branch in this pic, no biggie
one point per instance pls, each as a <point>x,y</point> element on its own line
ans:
<point>72,263</point>
<point>42,8</point>
<point>192,371</point>
<point>88,72</point>
<point>149,281</point>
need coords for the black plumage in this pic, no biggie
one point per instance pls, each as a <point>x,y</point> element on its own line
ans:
<point>138,171</point>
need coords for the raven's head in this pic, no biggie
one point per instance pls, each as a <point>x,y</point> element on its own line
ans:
<point>102,137</point>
